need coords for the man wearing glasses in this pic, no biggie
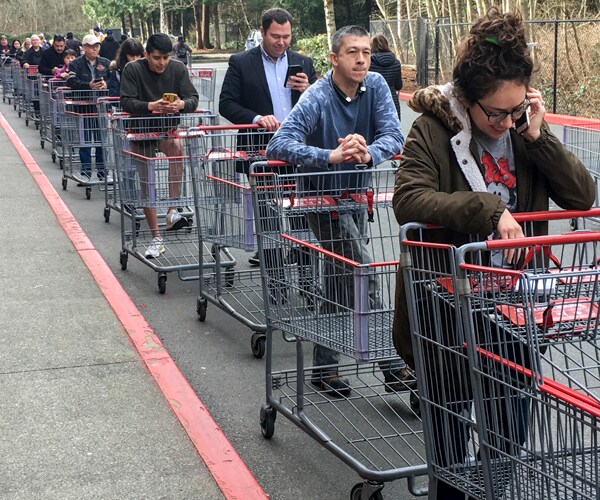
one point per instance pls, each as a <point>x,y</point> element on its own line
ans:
<point>89,72</point>
<point>52,59</point>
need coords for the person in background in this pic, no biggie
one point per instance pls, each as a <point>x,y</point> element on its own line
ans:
<point>466,167</point>
<point>130,50</point>
<point>90,72</point>
<point>109,47</point>
<point>68,57</point>
<point>4,47</point>
<point>33,55</point>
<point>73,43</point>
<point>123,38</point>
<point>345,121</point>
<point>253,88</point>
<point>143,84</point>
<point>99,33</point>
<point>384,62</point>
<point>15,49</point>
<point>24,48</point>
<point>52,58</point>
<point>182,51</point>
<point>43,42</point>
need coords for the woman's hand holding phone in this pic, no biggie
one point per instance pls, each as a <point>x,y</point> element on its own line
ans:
<point>536,113</point>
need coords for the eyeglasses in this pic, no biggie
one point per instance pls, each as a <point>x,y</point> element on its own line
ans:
<point>95,46</point>
<point>500,116</point>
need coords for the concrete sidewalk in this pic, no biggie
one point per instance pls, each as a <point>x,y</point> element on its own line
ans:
<point>80,417</point>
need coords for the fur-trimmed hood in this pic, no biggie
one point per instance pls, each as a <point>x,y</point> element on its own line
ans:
<point>441,101</point>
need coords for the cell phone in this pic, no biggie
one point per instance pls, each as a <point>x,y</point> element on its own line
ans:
<point>522,124</point>
<point>293,69</point>
<point>97,80</point>
<point>168,96</point>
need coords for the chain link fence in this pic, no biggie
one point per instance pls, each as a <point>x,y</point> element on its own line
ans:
<point>566,53</point>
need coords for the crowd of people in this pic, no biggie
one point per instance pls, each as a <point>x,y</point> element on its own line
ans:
<point>351,116</point>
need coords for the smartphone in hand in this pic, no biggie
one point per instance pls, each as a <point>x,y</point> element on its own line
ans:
<point>522,124</point>
<point>170,97</point>
<point>293,69</point>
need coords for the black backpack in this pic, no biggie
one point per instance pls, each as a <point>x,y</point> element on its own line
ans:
<point>181,51</point>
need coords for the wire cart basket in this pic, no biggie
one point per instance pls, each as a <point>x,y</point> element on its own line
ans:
<point>80,134</point>
<point>374,428</point>
<point>8,71</point>
<point>32,96</point>
<point>149,178</point>
<point>54,86</point>
<point>498,359</point>
<point>204,80</point>
<point>221,156</point>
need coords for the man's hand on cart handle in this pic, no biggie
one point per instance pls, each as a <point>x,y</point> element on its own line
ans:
<point>268,122</point>
<point>509,228</point>
<point>352,148</point>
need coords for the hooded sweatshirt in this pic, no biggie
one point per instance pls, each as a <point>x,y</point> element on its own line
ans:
<point>386,64</point>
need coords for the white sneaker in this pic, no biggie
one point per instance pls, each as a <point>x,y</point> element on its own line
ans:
<point>175,221</point>
<point>156,248</point>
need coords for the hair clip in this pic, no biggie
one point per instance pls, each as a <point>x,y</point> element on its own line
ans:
<point>494,40</point>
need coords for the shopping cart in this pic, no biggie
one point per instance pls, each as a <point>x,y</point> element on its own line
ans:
<point>19,77</point>
<point>374,430</point>
<point>150,179</point>
<point>44,94</point>
<point>8,79</point>
<point>204,80</point>
<point>80,133</point>
<point>54,85</point>
<point>107,106</point>
<point>584,142</point>
<point>32,97</point>
<point>477,367</point>
<point>221,157</point>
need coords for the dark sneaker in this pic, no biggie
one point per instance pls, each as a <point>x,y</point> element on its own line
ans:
<point>401,381</point>
<point>253,260</point>
<point>332,384</point>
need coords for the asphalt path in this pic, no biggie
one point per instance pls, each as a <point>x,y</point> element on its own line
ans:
<point>214,355</point>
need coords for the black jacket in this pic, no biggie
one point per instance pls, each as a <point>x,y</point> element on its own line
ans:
<point>73,44</point>
<point>386,64</point>
<point>50,59</point>
<point>31,57</point>
<point>109,48</point>
<point>80,75</point>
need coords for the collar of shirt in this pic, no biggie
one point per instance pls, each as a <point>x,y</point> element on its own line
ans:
<point>360,90</point>
<point>281,96</point>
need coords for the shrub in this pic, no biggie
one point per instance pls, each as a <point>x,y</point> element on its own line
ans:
<point>316,48</point>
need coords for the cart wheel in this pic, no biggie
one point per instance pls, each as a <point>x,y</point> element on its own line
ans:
<point>88,192</point>
<point>61,163</point>
<point>267,421</point>
<point>162,283</point>
<point>106,214</point>
<point>42,144</point>
<point>53,157</point>
<point>123,260</point>
<point>26,122</point>
<point>37,126</point>
<point>201,305</point>
<point>356,493</point>
<point>19,112</point>
<point>229,276</point>
<point>415,404</point>
<point>257,342</point>
<point>64,183</point>
<point>574,223</point>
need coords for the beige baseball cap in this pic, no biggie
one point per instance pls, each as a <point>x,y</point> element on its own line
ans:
<point>90,40</point>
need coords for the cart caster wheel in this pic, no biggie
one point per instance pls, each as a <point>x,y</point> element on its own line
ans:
<point>258,342</point>
<point>61,163</point>
<point>229,276</point>
<point>106,214</point>
<point>123,260</point>
<point>53,157</point>
<point>574,223</point>
<point>162,283</point>
<point>37,126</point>
<point>42,144</point>
<point>19,113</point>
<point>64,183</point>
<point>356,493</point>
<point>415,404</point>
<point>201,306</point>
<point>267,421</point>
<point>88,192</point>
<point>26,122</point>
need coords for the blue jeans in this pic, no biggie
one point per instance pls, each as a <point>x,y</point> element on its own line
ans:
<point>85,156</point>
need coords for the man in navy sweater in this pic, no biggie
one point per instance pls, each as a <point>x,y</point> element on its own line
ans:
<point>346,118</point>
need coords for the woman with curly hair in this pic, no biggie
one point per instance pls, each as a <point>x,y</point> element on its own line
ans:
<point>130,50</point>
<point>467,167</point>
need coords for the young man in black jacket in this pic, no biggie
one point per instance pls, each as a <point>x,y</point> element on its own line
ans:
<point>52,58</point>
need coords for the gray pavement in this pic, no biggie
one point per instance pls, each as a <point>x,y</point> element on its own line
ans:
<point>79,415</point>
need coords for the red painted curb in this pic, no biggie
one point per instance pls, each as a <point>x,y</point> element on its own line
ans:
<point>222,460</point>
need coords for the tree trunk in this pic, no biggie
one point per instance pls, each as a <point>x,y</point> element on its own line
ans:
<point>198,20</point>
<point>131,25</point>
<point>217,27</point>
<point>206,26</point>
<point>329,20</point>
<point>162,18</point>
